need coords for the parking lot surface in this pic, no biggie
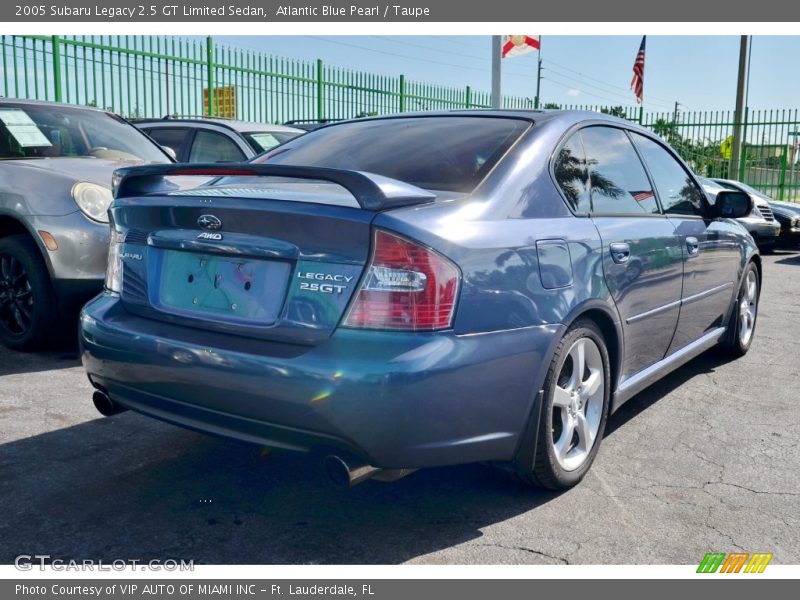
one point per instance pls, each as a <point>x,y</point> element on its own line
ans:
<point>708,459</point>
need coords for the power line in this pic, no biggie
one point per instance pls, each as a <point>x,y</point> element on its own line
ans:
<point>571,86</point>
<point>605,91</point>
<point>425,60</point>
<point>506,67</point>
<point>599,80</point>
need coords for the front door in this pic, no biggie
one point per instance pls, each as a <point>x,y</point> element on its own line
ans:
<point>710,248</point>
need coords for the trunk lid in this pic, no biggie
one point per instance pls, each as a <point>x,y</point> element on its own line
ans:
<point>276,259</point>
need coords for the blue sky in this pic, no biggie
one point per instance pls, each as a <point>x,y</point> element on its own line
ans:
<point>697,71</point>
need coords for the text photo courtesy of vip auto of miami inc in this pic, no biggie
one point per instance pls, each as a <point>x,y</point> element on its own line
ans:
<point>394,299</point>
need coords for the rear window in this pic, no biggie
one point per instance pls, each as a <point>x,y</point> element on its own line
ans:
<point>436,153</point>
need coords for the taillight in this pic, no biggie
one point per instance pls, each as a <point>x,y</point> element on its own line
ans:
<point>406,286</point>
<point>114,265</point>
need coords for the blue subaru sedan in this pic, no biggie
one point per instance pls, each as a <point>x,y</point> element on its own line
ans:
<point>420,290</point>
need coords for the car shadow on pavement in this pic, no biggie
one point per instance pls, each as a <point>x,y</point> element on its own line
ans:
<point>790,259</point>
<point>707,362</point>
<point>129,487</point>
<point>63,356</point>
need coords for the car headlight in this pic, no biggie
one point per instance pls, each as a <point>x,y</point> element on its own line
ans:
<point>794,222</point>
<point>114,267</point>
<point>93,200</point>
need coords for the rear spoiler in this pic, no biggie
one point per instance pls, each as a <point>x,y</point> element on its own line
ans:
<point>371,191</point>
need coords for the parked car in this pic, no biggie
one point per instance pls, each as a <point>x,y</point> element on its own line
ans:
<point>56,163</point>
<point>421,290</point>
<point>198,139</point>
<point>310,124</point>
<point>761,223</point>
<point>788,215</point>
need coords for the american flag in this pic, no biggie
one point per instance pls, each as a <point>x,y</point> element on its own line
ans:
<point>637,83</point>
<point>643,195</point>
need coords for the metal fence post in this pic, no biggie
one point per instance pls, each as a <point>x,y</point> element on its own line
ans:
<point>402,93</point>
<point>468,97</point>
<point>210,74</point>
<point>320,91</point>
<point>743,148</point>
<point>56,67</point>
<point>782,184</point>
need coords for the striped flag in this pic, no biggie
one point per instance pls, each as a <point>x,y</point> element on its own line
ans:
<point>516,45</point>
<point>637,83</point>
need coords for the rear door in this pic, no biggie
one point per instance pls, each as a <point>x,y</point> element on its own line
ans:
<point>641,250</point>
<point>710,247</point>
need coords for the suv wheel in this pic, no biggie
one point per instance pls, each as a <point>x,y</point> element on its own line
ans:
<point>576,396</point>
<point>28,307</point>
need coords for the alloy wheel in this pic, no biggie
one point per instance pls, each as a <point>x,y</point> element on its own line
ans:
<point>748,305</point>
<point>16,297</point>
<point>578,404</point>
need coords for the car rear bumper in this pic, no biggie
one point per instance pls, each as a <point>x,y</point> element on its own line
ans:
<point>397,400</point>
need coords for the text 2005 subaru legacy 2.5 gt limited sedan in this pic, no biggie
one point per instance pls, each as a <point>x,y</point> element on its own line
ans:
<point>420,290</point>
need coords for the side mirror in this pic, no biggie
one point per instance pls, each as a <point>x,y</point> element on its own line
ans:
<point>731,204</point>
<point>171,152</point>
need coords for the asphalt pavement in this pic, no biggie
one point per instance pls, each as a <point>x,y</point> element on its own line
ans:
<point>708,459</point>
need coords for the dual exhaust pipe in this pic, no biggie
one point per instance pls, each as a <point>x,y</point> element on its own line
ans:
<point>348,473</point>
<point>343,473</point>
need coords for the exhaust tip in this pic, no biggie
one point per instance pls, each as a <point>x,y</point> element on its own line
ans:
<point>344,475</point>
<point>105,405</point>
<point>338,471</point>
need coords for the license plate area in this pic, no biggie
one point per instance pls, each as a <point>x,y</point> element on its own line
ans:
<point>227,288</point>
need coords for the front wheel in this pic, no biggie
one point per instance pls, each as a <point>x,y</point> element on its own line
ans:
<point>29,311</point>
<point>742,324</point>
<point>576,396</point>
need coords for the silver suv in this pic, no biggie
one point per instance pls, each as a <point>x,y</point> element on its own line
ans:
<point>56,162</point>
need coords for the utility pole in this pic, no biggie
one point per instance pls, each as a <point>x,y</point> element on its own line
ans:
<point>538,75</point>
<point>497,44</point>
<point>739,116</point>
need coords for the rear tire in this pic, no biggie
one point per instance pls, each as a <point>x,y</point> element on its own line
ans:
<point>744,314</point>
<point>29,311</point>
<point>577,391</point>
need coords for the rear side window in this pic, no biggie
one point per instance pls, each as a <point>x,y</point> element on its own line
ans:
<point>679,195</point>
<point>618,182</point>
<point>171,137</point>
<point>209,146</point>
<point>437,153</point>
<point>572,175</point>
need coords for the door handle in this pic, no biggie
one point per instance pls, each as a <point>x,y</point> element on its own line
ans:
<point>620,252</point>
<point>692,246</point>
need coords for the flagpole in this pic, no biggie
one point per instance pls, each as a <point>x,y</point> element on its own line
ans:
<point>538,75</point>
<point>497,43</point>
